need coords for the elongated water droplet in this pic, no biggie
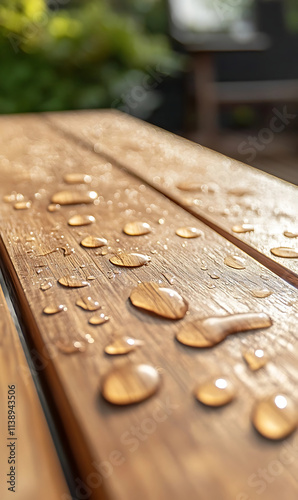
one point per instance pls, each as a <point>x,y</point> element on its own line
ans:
<point>93,242</point>
<point>136,228</point>
<point>130,259</point>
<point>88,303</point>
<point>216,392</point>
<point>213,330</point>
<point>242,228</point>
<point>13,197</point>
<point>46,286</point>
<point>262,293</point>
<point>130,383</point>
<point>98,319</point>
<point>189,232</point>
<point>275,417</point>
<point>285,252</point>
<point>239,191</point>
<point>54,309</point>
<point>234,262</point>
<point>122,345</point>
<point>67,250</point>
<point>73,281</point>
<point>70,347</point>
<point>255,358</point>
<point>81,220</point>
<point>74,197</point>
<point>22,205</point>
<point>54,207</point>
<point>189,186</point>
<point>162,301</point>
<point>288,234</point>
<point>74,178</point>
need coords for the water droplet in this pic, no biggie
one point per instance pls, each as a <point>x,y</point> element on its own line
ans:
<point>93,242</point>
<point>234,262</point>
<point>262,293</point>
<point>169,277</point>
<point>81,220</point>
<point>204,266</point>
<point>104,251</point>
<point>122,345</point>
<point>129,259</point>
<point>216,392</point>
<point>136,228</point>
<point>54,207</point>
<point>189,186</point>
<point>88,303</point>
<point>189,232</point>
<point>70,347</point>
<point>13,197</point>
<point>67,250</point>
<point>161,221</point>
<point>242,228</point>
<point>73,197</point>
<point>89,338</point>
<point>130,383</point>
<point>275,417</point>
<point>162,301</point>
<point>255,359</point>
<point>98,319</point>
<point>73,281</point>
<point>288,234</point>
<point>54,308</point>
<point>46,286</point>
<point>74,178</point>
<point>22,205</point>
<point>214,276</point>
<point>287,253</point>
<point>240,191</point>
<point>213,330</point>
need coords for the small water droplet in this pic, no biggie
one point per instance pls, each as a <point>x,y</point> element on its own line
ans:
<point>214,276</point>
<point>169,277</point>
<point>88,303</point>
<point>213,330</point>
<point>73,281</point>
<point>262,293</point>
<point>46,286</point>
<point>122,345</point>
<point>189,232</point>
<point>13,197</point>
<point>89,338</point>
<point>234,261</point>
<point>81,220</point>
<point>75,178</point>
<point>289,234</point>
<point>67,250</point>
<point>104,251</point>
<point>130,383</point>
<point>162,301</point>
<point>22,205</point>
<point>130,259</point>
<point>275,417</point>
<point>255,358</point>
<point>73,197</point>
<point>285,252</point>
<point>161,221</point>
<point>189,186</point>
<point>239,191</point>
<point>242,228</point>
<point>54,308</point>
<point>137,228</point>
<point>98,319</point>
<point>54,207</point>
<point>70,347</point>
<point>93,242</point>
<point>91,278</point>
<point>204,266</point>
<point>216,392</point>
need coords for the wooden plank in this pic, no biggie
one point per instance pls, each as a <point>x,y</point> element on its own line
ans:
<point>169,446</point>
<point>165,160</point>
<point>29,449</point>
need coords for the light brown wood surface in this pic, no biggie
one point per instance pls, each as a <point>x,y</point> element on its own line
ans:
<point>165,160</point>
<point>37,470</point>
<point>182,449</point>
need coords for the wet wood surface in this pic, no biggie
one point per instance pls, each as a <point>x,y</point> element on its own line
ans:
<point>29,450</point>
<point>168,446</point>
<point>220,191</point>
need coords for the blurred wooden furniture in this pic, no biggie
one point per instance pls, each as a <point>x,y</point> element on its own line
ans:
<point>169,446</point>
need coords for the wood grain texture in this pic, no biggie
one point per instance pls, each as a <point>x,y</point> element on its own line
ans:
<point>169,446</point>
<point>165,160</point>
<point>38,471</point>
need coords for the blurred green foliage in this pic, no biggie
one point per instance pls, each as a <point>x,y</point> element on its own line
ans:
<point>73,54</point>
<point>291,15</point>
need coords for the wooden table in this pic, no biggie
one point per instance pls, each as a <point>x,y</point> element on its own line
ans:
<point>169,446</point>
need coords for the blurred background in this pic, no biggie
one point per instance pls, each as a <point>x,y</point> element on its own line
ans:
<point>223,73</point>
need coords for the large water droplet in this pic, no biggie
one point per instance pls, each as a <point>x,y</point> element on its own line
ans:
<point>234,262</point>
<point>93,242</point>
<point>88,303</point>
<point>136,228</point>
<point>73,281</point>
<point>189,232</point>
<point>216,392</point>
<point>81,220</point>
<point>275,417</point>
<point>162,301</point>
<point>130,259</point>
<point>130,383</point>
<point>287,253</point>
<point>213,330</point>
<point>74,197</point>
